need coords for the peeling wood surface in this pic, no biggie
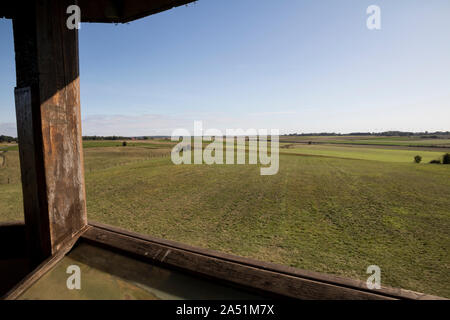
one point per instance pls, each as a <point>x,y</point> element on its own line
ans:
<point>33,184</point>
<point>49,125</point>
<point>61,120</point>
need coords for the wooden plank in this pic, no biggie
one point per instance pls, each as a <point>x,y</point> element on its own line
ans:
<point>106,11</point>
<point>61,120</point>
<point>33,184</point>
<point>43,267</point>
<point>240,272</point>
<point>120,11</point>
<point>397,293</point>
<point>48,120</point>
<point>137,9</point>
<point>220,269</point>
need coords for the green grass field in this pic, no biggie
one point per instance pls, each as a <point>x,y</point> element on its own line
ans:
<point>413,141</point>
<point>334,209</point>
<point>363,153</point>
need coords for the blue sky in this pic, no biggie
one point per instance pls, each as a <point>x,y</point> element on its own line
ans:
<point>294,65</point>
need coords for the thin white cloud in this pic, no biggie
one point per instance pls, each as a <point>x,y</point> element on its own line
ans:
<point>158,124</point>
<point>128,125</point>
<point>274,113</point>
<point>8,129</point>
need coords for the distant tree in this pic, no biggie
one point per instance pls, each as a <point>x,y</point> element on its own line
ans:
<point>446,158</point>
<point>7,139</point>
<point>417,159</point>
<point>124,144</point>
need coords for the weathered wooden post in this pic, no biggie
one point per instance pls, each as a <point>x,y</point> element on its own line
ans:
<point>48,123</point>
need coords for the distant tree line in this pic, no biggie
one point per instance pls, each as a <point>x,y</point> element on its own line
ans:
<point>124,138</point>
<point>426,134</point>
<point>7,139</point>
<point>106,138</point>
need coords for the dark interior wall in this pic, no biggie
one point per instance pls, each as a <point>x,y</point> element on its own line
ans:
<point>14,264</point>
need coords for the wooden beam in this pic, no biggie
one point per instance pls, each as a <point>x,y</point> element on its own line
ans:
<point>266,279</point>
<point>262,277</point>
<point>106,11</point>
<point>122,11</point>
<point>396,293</point>
<point>48,124</point>
<point>14,264</point>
